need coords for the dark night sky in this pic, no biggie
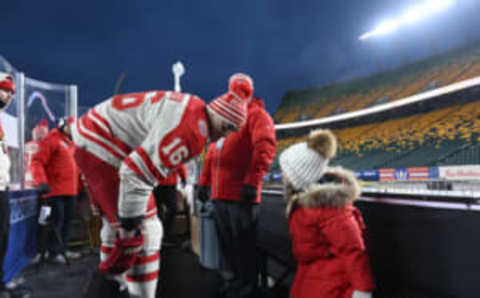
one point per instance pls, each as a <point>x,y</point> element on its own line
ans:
<point>283,44</point>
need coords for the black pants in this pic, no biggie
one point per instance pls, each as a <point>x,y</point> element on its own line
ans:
<point>166,195</point>
<point>63,212</point>
<point>236,224</point>
<point>4,229</point>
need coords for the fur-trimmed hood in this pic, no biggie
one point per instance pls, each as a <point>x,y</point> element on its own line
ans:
<point>328,194</point>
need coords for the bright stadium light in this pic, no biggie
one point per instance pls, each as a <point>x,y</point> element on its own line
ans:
<point>385,27</point>
<point>412,15</point>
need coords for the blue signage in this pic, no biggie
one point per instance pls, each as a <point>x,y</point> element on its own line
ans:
<point>401,174</point>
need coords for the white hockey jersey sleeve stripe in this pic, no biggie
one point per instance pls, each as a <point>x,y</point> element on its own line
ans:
<point>101,148</point>
<point>160,172</point>
<point>101,128</point>
<point>101,122</point>
<point>142,166</point>
<point>96,137</point>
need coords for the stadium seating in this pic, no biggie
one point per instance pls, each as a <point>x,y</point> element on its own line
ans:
<point>435,137</point>
<point>418,140</point>
<point>399,83</point>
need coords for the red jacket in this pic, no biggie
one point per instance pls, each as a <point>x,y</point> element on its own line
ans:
<point>242,158</point>
<point>54,164</point>
<point>327,234</point>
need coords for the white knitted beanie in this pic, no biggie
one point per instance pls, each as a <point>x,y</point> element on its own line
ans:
<point>304,163</point>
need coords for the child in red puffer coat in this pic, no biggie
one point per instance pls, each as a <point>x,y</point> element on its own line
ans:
<point>327,231</point>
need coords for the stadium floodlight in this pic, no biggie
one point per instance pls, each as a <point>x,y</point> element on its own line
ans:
<point>385,27</point>
<point>412,15</point>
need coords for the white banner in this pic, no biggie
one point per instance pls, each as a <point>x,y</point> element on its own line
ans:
<point>469,172</point>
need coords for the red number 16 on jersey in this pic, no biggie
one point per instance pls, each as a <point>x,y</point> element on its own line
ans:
<point>175,152</point>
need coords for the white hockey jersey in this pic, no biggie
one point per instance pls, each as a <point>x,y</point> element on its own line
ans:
<point>146,135</point>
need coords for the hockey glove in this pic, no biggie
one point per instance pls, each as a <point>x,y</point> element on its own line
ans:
<point>123,255</point>
<point>203,193</point>
<point>43,188</point>
<point>248,193</point>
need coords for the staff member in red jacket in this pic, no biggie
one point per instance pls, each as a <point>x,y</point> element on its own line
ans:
<point>39,132</point>
<point>233,173</point>
<point>326,229</point>
<point>56,177</point>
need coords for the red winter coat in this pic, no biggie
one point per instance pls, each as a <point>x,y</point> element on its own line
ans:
<point>54,164</point>
<point>328,241</point>
<point>242,158</point>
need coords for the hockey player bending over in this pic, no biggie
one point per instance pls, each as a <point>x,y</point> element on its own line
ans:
<point>125,146</point>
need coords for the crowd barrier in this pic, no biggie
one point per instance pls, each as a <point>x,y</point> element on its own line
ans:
<point>415,251</point>
<point>22,241</point>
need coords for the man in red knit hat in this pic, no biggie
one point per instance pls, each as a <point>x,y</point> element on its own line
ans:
<point>233,174</point>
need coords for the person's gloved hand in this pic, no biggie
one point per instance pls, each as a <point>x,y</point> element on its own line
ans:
<point>248,193</point>
<point>44,216</point>
<point>203,193</point>
<point>43,188</point>
<point>123,255</point>
<point>128,243</point>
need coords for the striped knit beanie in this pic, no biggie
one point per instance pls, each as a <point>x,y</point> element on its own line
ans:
<point>232,106</point>
<point>229,108</point>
